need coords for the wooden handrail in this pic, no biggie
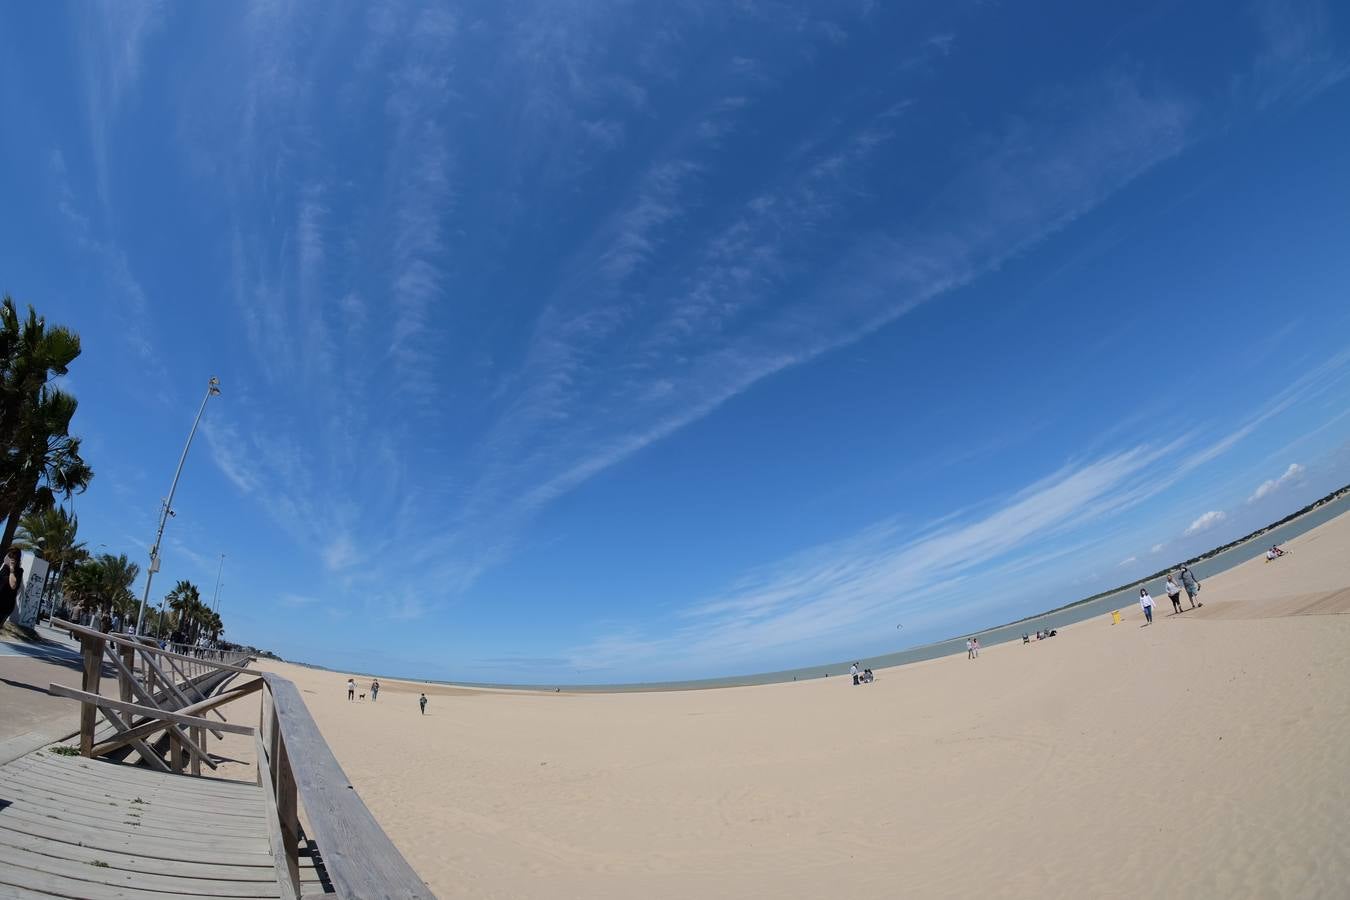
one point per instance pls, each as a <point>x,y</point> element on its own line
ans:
<point>126,640</point>
<point>360,859</point>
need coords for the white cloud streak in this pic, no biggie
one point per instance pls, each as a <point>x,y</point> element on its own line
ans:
<point>1206,521</point>
<point>1293,473</point>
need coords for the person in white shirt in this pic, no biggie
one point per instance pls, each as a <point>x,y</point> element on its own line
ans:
<point>970,648</point>
<point>1146,604</point>
<point>1173,593</point>
<point>351,688</point>
<point>853,670</point>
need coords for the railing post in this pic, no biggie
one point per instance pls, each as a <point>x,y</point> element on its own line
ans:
<point>287,809</point>
<point>176,755</point>
<point>129,658</point>
<point>198,735</point>
<point>92,648</point>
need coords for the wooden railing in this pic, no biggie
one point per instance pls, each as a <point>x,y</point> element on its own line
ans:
<point>159,690</point>
<point>295,767</point>
<point>360,859</point>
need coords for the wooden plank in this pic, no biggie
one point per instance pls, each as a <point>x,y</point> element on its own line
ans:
<point>144,880</point>
<point>152,816</point>
<point>151,809</point>
<point>62,886</point>
<point>286,884</point>
<point>147,711</point>
<point>91,647</point>
<point>360,859</point>
<point>23,810</point>
<point>20,810</point>
<point>137,863</point>
<point>231,851</point>
<point>135,781</point>
<point>115,791</point>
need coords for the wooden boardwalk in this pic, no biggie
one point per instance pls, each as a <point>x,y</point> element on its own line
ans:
<point>88,828</point>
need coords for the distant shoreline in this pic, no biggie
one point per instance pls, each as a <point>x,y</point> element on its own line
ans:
<point>918,651</point>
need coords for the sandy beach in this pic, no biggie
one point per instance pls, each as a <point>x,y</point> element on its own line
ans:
<point>1205,756</point>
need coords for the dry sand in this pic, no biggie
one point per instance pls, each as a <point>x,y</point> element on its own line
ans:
<point>1205,756</point>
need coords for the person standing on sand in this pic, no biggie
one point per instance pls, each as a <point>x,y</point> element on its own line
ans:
<point>1191,585</point>
<point>422,702</point>
<point>970,648</point>
<point>375,690</point>
<point>351,688</point>
<point>853,670</point>
<point>11,578</point>
<point>976,642</point>
<point>1146,604</point>
<point>1173,593</point>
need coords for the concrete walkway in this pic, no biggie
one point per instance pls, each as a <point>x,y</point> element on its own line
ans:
<point>30,717</point>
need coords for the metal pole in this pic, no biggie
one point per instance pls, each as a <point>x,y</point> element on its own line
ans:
<point>215,602</point>
<point>212,389</point>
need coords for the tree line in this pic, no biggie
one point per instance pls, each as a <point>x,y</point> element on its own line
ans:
<point>42,470</point>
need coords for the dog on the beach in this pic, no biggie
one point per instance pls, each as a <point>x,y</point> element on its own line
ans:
<point>362,696</point>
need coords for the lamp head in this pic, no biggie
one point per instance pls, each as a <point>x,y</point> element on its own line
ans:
<point>214,386</point>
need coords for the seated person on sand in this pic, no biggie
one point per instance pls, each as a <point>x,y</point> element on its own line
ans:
<point>868,677</point>
<point>1026,638</point>
<point>1274,553</point>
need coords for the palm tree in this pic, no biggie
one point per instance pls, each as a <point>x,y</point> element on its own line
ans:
<point>44,461</point>
<point>30,354</point>
<point>51,534</point>
<point>186,601</point>
<point>40,458</point>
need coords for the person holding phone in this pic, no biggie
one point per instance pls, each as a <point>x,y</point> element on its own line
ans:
<point>11,579</point>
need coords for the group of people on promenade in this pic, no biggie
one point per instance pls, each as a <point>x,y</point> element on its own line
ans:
<point>1184,580</point>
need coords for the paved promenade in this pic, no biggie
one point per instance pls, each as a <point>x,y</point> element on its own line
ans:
<point>29,716</point>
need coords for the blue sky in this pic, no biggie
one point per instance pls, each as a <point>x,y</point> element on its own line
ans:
<point>608,341</point>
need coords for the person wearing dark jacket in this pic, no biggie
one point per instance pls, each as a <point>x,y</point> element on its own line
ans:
<point>11,579</point>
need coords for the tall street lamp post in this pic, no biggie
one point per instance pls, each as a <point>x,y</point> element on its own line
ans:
<point>212,390</point>
<point>215,601</point>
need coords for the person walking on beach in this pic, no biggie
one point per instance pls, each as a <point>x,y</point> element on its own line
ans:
<point>1146,604</point>
<point>11,578</point>
<point>853,670</point>
<point>1173,593</point>
<point>422,702</point>
<point>351,688</point>
<point>374,690</point>
<point>1191,585</point>
<point>970,648</point>
<point>976,642</point>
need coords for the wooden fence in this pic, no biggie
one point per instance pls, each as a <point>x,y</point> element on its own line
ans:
<point>170,694</point>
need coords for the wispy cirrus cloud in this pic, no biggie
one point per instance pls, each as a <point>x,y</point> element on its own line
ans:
<point>829,598</point>
<point>710,338</point>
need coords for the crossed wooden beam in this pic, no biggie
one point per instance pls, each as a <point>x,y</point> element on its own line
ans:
<point>167,708</point>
